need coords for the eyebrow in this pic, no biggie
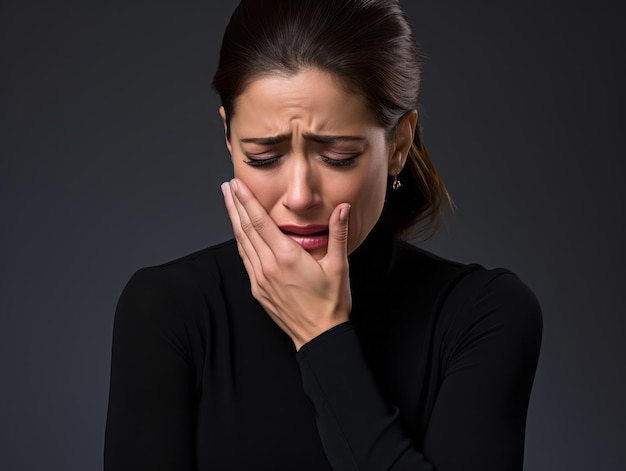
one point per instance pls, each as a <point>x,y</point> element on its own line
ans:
<point>319,138</point>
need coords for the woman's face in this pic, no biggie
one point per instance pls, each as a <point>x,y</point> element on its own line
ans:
<point>303,145</point>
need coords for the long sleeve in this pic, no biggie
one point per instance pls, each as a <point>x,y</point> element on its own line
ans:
<point>359,430</point>
<point>490,331</point>
<point>150,421</point>
<point>489,355</point>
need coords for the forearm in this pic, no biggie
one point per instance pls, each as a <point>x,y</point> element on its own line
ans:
<point>358,429</point>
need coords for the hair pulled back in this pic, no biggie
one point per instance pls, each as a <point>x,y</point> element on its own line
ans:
<point>369,46</point>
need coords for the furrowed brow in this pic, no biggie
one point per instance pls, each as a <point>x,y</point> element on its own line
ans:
<point>323,139</point>
<point>267,141</point>
<point>319,138</point>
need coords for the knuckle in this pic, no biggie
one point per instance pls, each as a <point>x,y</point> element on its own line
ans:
<point>287,257</point>
<point>271,271</point>
<point>341,234</point>
<point>247,227</point>
<point>238,236</point>
<point>257,284</point>
<point>288,260</point>
<point>257,221</point>
<point>260,278</point>
<point>256,293</point>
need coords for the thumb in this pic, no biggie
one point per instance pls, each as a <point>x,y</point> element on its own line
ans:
<point>338,233</point>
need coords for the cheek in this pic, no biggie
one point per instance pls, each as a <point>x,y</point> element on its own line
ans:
<point>256,181</point>
<point>367,205</point>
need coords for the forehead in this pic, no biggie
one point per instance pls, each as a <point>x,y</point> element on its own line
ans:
<point>311,97</point>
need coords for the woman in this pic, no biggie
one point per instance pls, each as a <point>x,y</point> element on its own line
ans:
<point>319,339</point>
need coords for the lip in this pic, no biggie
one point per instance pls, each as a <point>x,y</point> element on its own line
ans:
<point>305,230</point>
<point>309,237</point>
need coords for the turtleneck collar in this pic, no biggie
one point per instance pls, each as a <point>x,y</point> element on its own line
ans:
<point>370,263</point>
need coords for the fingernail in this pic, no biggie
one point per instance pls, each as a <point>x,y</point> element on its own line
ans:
<point>223,187</point>
<point>233,185</point>
<point>344,213</point>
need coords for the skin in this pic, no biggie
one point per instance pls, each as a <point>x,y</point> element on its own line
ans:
<point>328,168</point>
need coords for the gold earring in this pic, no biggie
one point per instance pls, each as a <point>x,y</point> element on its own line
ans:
<point>396,183</point>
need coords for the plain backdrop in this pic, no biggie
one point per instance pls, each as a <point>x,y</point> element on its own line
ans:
<point>112,154</point>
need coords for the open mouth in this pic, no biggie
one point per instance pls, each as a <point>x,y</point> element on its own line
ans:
<point>308,237</point>
<point>311,234</point>
<point>308,230</point>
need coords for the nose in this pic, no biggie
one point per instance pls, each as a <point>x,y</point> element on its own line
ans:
<point>302,186</point>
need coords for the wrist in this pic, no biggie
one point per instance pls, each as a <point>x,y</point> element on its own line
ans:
<point>312,335</point>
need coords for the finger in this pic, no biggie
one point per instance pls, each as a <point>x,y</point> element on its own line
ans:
<point>255,219</point>
<point>230,206</point>
<point>249,228</point>
<point>338,234</point>
<point>246,249</point>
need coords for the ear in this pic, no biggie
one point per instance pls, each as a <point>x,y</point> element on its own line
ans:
<point>402,141</point>
<point>222,112</point>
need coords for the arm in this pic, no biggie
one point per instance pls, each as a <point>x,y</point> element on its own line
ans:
<point>358,429</point>
<point>310,301</point>
<point>150,416</point>
<point>489,360</point>
<point>478,422</point>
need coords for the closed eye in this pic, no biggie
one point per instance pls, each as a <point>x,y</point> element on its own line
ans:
<point>340,162</point>
<point>261,160</point>
<point>265,160</point>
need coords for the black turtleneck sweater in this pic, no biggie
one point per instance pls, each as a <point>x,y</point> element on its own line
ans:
<point>433,370</point>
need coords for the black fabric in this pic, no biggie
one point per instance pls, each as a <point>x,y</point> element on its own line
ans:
<point>433,370</point>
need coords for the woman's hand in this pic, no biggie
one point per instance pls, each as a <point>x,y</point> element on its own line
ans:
<point>304,296</point>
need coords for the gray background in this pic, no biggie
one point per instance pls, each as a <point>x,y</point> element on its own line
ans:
<point>112,157</point>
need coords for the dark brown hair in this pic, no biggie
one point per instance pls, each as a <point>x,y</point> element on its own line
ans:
<point>369,46</point>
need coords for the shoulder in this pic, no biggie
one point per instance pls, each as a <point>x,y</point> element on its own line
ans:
<point>497,293</point>
<point>177,289</point>
<point>467,286</point>
<point>494,312</point>
<point>181,274</point>
<point>201,261</point>
<point>472,301</point>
